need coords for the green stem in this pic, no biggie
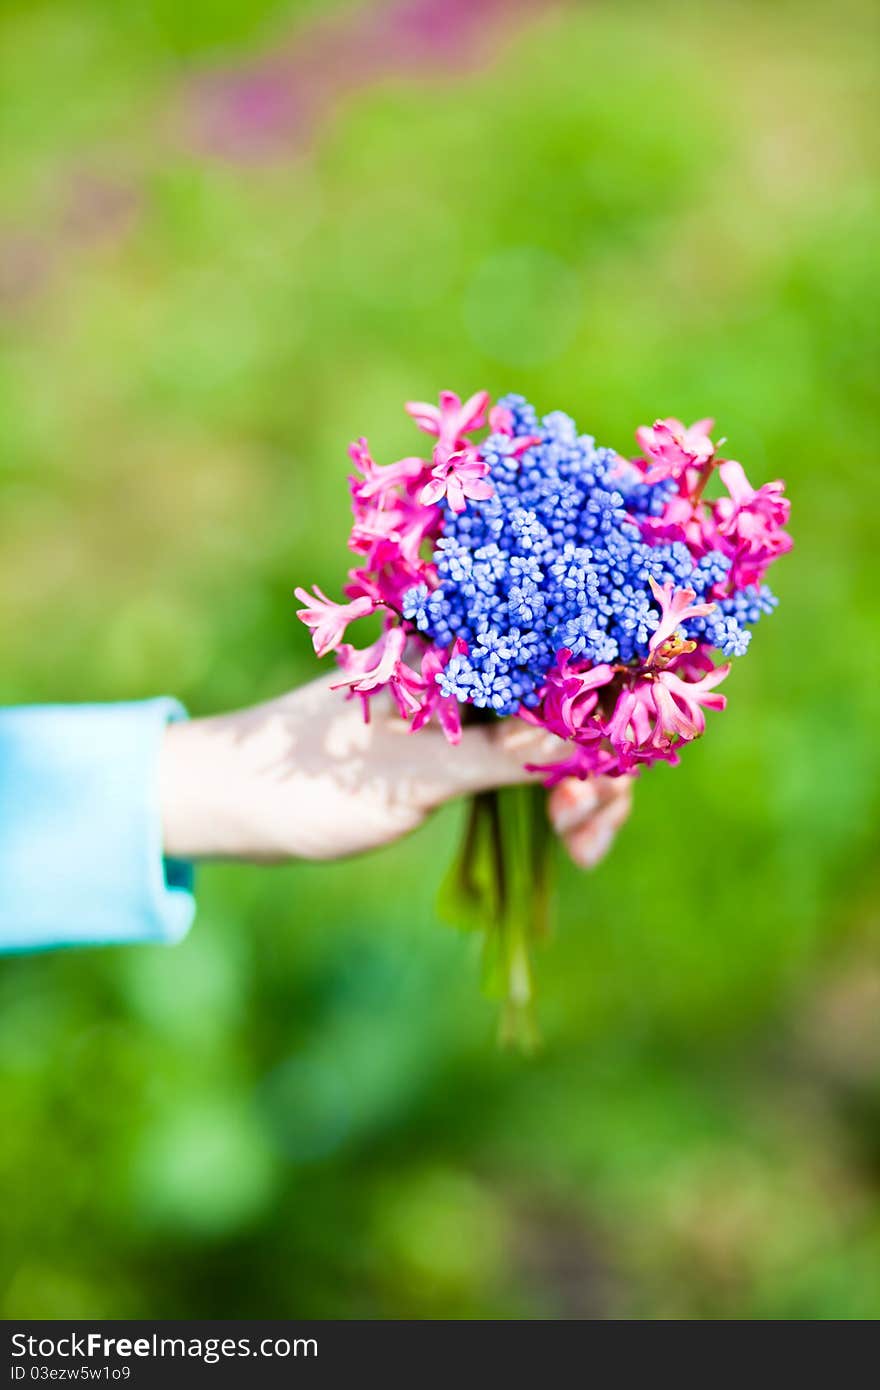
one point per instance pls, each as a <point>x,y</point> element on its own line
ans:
<point>499,863</point>
<point>500,886</point>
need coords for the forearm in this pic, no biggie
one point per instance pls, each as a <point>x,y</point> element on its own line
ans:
<point>228,791</point>
<point>299,777</point>
<point>305,777</point>
<point>204,791</point>
<point>103,806</point>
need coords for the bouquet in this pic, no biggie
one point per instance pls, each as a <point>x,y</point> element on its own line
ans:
<point>521,569</point>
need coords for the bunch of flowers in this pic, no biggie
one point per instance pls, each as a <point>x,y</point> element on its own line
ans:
<point>528,571</point>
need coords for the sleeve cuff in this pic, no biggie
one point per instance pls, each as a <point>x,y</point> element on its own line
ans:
<point>80,828</point>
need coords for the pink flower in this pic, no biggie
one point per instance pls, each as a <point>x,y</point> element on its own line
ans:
<point>372,667</point>
<point>456,476</point>
<point>501,422</point>
<point>407,690</point>
<point>656,714</point>
<point>328,620</point>
<point>585,760</point>
<point>672,447</point>
<point>676,606</point>
<point>570,697</point>
<point>378,481</point>
<point>750,522</point>
<point>445,707</point>
<point>680,704</point>
<point>382,667</point>
<point>393,534</point>
<point>387,586</point>
<point>452,420</point>
<point>631,726</point>
<point>681,520</point>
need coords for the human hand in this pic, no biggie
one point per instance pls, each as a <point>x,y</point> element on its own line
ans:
<point>304,777</point>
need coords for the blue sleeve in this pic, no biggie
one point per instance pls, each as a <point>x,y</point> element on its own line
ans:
<point>80,830</point>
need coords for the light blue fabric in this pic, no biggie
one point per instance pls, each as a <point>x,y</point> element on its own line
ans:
<point>80,831</point>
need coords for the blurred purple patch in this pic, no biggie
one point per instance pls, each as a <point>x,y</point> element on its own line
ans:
<point>25,266</point>
<point>243,116</point>
<point>267,109</point>
<point>93,210</point>
<point>98,209</point>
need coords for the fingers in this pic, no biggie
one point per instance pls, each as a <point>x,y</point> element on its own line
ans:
<point>587,815</point>
<point>571,802</point>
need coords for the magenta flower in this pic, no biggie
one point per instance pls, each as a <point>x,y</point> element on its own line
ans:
<point>501,422</point>
<point>380,481</point>
<point>657,713</point>
<point>585,760</point>
<point>372,667</point>
<point>751,523</point>
<point>381,667</point>
<point>570,697</point>
<point>393,534</point>
<point>388,585</point>
<point>434,702</point>
<point>750,511</point>
<point>407,689</point>
<point>682,520</point>
<point>451,421</point>
<point>630,730</point>
<point>672,447</point>
<point>680,703</point>
<point>676,606</point>
<point>456,477</point>
<point>328,620</point>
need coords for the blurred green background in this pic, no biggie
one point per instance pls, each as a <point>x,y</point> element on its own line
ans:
<point>235,235</point>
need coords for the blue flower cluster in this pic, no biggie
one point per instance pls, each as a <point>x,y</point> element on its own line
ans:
<point>555,560</point>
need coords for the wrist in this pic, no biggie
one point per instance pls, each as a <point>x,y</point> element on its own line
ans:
<point>203,791</point>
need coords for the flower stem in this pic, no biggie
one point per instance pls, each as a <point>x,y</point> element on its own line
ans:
<point>705,474</point>
<point>501,886</point>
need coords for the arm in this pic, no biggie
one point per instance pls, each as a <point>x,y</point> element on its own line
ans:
<point>304,777</point>
<point>102,807</point>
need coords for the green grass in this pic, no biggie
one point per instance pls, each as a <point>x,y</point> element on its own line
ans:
<point>636,210</point>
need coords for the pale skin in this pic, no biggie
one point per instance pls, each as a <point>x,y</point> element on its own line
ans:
<point>303,777</point>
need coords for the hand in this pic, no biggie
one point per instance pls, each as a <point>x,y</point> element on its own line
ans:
<point>304,777</point>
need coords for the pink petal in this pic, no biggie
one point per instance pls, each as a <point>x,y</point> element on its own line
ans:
<point>733,476</point>
<point>433,491</point>
<point>455,493</point>
<point>472,415</point>
<point>426,416</point>
<point>676,606</point>
<point>501,420</point>
<point>479,491</point>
